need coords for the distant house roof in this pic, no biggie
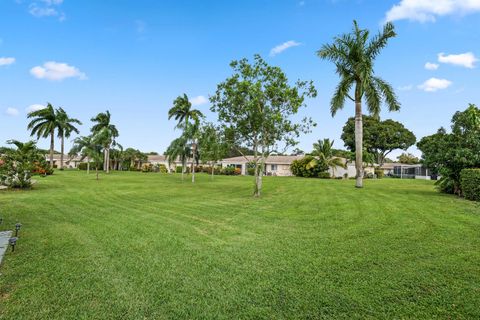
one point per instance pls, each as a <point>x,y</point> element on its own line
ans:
<point>157,158</point>
<point>270,159</point>
<point>66,157</point>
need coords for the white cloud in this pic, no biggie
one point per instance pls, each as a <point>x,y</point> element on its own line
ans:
<point>46,8</point>
<point>39,12</point>
<point>198,101</point>
<point>431,66</point>
<point>405,88</point>
<point>58,71</point>
<point>11,112</point>
<point>466,60</point>
<point>34,107</point>
<point>282,47</point>
<point>434,84</point>
<point>5,61</point>
<point>429,10</point>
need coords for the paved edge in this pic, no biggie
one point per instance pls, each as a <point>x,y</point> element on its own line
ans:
<point>4,237</point>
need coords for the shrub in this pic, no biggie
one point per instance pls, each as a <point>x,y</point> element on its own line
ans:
<point>147,167</point>
<point>470,184</point>
<point>162,168</point>
<point>251,171</point>
<point>304,168</point>
<point>379,173</point>
<point>83,166</point>
<point>178,169</point>
<point>230,171</point>
<point>324,175</point>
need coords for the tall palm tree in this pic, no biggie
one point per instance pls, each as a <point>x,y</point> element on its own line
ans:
<point>105,134</point>
<point>66,126</point>
<point>354,55</point>
<point>323,151</point>
<point>182,112</point>
<point>44,124</point>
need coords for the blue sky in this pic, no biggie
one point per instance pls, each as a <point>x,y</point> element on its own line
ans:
<point>134,57</point>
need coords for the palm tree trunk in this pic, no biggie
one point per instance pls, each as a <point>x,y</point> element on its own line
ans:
<point>213,169</point>
<point>88,165</point>
<point>62,148</point>
<point>358,143</point>
<point>52,146</point>
<point>194,150</point>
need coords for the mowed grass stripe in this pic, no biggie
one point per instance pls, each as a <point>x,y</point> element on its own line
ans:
<point>136,245</point>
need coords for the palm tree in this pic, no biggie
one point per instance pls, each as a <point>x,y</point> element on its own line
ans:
<point>105,134</point>
<point>182,112</point>
<point>88,148</point>
<point>323,151</point>
<point>354,55</point>
<point>43,125</point>
<point>66,126</point>
<point>178,149</point>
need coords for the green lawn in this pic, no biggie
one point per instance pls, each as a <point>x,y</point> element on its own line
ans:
<point>134,246</point>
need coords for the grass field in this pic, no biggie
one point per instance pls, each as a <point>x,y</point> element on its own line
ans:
<point>134,246</point>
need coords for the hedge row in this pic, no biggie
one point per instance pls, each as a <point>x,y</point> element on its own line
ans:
<point>470,182</point>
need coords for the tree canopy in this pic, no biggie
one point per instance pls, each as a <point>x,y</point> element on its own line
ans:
<point>379,137</point>
<point>449,153</point>
<point>257,104</point>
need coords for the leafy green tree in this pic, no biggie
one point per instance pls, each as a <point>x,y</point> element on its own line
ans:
<point>408,158</point>
<point>256,104</point>
<point>450,153</point>
<point>104,133</point>
<point>323,153</point>
<point>213,146</point>
<point>183,113</point>
<point>65,128</point>
<point>379,137</point>
<point>43,124</point>
<point>354,55</point>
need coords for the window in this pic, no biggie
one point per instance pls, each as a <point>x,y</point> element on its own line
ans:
<point>273,167</point>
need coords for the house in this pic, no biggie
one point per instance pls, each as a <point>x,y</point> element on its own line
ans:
<point>163,160</point>
<point>280,166</point>
<point>68,161</point>
<point>406,171</point>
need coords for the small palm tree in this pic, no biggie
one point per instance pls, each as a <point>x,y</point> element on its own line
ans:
<point>354,55</point>
<point>323,151</point>
<point>66,126</point>
<point>105,134</point>
<point>182,112</point>
<point>178,149</point>
<point>43,125</point>
<point>87,148</point>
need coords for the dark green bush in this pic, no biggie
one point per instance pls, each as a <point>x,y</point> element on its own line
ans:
<point>324,175</point>
<point>379,173</point>
<point>308,168</point>
<point>178,169</point>
<point>470,184</point>
<point>83,166</point>
<point>250,171</point>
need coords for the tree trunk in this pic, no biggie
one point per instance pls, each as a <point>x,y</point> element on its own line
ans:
<point>52,146</point>
<point>213,169</point>
<point>96,169</point>
<point>62,148</point>
<point>194,150</point>
<point>88,165</point>
<point>358,143</point>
